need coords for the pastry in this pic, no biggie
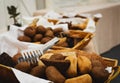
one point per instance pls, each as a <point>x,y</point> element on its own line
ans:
<point>49,33</point>
<point>86,78</point>
<point>61,65</point>
<point>45,40</point>
<point>62,42</point>
<point>37,37</point>
<point>99,74</point>
<point>7,75</point>
<point>46,55</point>
<point>38,71</point>
<point>30,31</point>
<point>57,56</point>
<point>84,65</point>
<point>23,66</point>
<point>24,38</point>
<point>54,75</point>
<point>72,70</point>
<point>40,29</point>
<point>5,59</point>
<point>16,56</point>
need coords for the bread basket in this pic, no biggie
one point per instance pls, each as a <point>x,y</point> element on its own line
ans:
<point>110,63</point>
<point>79,40</point>
<point>115,72</point>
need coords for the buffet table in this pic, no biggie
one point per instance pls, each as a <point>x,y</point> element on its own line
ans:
<point>109,23</point>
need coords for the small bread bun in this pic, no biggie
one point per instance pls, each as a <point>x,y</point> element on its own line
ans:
<point>57,56</point>
<point>41,29</point>
<point>99,74</point>
<point>86,78</point>
<point>45,40</point>
<point>24,38</point>
<point>23,66</point>
<point>15,57</point>
<point>30,31</point>
<point>84,65</point>
<point>61,65</point>
<point>7,60</point>
<point>37,37</point>
<point>54,75</point>
<point>72,70</point>
<point>38,71</point>
<point>49,33</point>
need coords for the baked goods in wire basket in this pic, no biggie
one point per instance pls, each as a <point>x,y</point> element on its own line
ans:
<point>98,74</point>
<point>75,39</point>
<point>66,66</point>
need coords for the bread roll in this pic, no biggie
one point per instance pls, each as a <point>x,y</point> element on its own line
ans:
<point>24,38</point>
<point>72,70</point>
<point>49,33</point>
<point>54,75</point>
<point>40,29</point>
<point>37,37</point>
<point>57,56</point>
<point>23,66</point>
<point>5,59</point>
<point>45,40</point>
<point>16,56</point>
<point>99,74</point>
<point>30,31</point>
<point>86,78</point>
<point>7,75</point>
<point>61,65</point>
<point>84,64</point>
<point>38,71</point>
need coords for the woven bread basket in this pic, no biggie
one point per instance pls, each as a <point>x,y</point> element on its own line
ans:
<point>79,40</point>
<point>109,62</point>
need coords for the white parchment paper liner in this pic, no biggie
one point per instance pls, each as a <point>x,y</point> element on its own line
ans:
<point>10,45</point>
<point>27,78</point>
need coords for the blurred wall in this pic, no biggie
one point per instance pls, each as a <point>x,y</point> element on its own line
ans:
<point>25,7</point>
<point>108,28</point>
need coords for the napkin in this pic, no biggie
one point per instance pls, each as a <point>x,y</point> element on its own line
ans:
<point>90,26</point>
<point>10,44</point>
<point>27,78</point>
<point>52,15</point>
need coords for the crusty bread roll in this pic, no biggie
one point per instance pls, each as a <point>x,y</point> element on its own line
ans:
<point>86,78</point>
<point>46,55</point>
<point>16,56</point>
<point>54,75</point>
<point>23,66</point>
<point>7,60</point>
<point>57,56</point>
<point>38,71</point>
<point>61,65</point>
<point>84,64</point>
<point>7,75</point>
<point>72,70</point>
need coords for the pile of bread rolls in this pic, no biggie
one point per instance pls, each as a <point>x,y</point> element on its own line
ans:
<point>67,66</point>
<point>84,67</point>
<point>39,34</point>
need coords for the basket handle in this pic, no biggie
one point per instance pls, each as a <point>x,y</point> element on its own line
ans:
<point>115,75</point>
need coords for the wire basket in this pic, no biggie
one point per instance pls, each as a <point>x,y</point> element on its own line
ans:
<point>79,40</point>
